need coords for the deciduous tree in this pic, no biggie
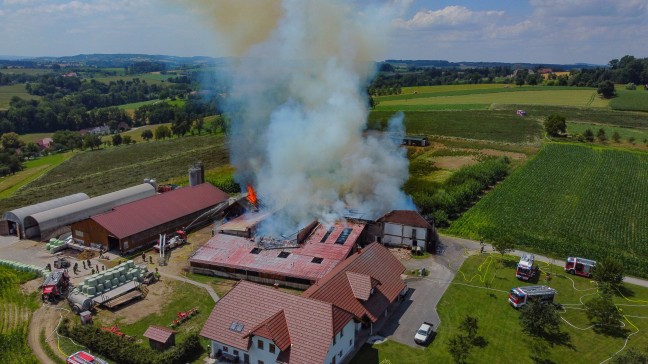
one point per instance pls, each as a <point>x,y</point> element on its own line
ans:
<point>539,319</point>
<point>555,125</point>
<point>602,312</point>
<point>606,89</point>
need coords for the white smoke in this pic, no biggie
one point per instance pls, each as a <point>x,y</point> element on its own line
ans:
<point>299,111</point>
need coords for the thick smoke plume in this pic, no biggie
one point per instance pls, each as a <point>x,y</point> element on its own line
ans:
<point>298,108</point>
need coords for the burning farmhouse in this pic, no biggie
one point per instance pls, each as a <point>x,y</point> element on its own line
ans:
<point>239,249</point>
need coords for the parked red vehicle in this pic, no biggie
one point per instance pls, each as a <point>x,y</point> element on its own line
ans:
<point>579,266</point>
<point>526,269</point>
<point>520,296</point>
<point>81,357</point>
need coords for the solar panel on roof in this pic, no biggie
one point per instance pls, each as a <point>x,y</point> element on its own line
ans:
<point>239,327</point>
<point>343,236</point>
<point>328,233</point>
<point>233,326</point>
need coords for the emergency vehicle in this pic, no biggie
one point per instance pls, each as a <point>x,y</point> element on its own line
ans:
<point>520,296</point>
<point>81,357</point>
<point>525,269</point>
<point>56,286</point>
<point>579,266</point>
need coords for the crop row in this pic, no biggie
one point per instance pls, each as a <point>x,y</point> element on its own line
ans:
<point>570,200</point>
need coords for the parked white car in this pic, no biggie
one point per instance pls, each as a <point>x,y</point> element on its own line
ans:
<point>423,334</point>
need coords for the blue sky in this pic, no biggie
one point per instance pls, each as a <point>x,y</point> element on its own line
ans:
<point>544,31</point>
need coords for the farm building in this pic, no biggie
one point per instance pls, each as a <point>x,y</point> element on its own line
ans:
<point>133,225</point>
<point>50,222</point>
<point>416,140</point>
<point>326,324</point>
<point>13,222</point>
<point>407,228</point>
<point>237,252</point>
<point>367,284</point>
<point>160,337</point>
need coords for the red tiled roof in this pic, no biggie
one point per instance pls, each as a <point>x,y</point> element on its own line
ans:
<point>310,323</point>
<point>406,217</point>
<point>232,251</point>
<point>131,218</point>
<point>360,285</point>
<point>374,261</point>
<point>274,328</point>
<point>159,333</point>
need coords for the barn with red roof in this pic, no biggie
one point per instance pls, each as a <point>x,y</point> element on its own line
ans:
<point>138,224</point>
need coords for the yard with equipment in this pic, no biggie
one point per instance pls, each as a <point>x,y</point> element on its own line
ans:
<point>481,289</point>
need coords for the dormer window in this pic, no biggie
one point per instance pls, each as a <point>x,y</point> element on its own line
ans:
<point>371,293</point>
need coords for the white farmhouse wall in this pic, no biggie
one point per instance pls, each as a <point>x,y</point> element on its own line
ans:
<point>396,234</point>
<point>344,342</point>
<point>264,354</point>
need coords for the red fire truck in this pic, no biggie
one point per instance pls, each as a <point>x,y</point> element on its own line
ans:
<point>526,269</point>
<point>520,296</point>
<point>579,266</point>
<point>81,357</point>
<point>56,286</point>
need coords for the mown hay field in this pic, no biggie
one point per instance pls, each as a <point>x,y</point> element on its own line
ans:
<point>110,169</point>
<point>570,200</point>
<point>15,311</point>
<point>500,126</point>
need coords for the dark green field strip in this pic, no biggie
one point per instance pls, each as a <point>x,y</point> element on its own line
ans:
<point>500,126</point>
<point>432,107</point>
<point>589,115</point>
<point>109,170</point>
<point>476,91</point>
<point>570,200</point>
<point>636,100</point>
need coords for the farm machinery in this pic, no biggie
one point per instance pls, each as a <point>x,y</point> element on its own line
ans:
<point>183,316</point>
<point>56,286</point>
<point>171,242</point>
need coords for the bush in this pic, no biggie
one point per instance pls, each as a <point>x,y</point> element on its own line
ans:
<point>631,86</point>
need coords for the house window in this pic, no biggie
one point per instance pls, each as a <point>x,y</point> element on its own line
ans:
<point>246,358</point>
<point>340,354</point>
<point>225,348</point>
<point>351,342</point>
<point>78,233</point>
<point>341,333</point>
<point>333,361</point>
<point>235,352</point>
<point>260,344</point>
<point>271,347</point>
<point>255,251</point>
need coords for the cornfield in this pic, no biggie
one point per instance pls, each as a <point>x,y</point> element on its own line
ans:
<point>570,200</point>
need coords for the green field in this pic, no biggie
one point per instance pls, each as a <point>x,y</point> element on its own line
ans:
<point>33,170</point>
<point>570,200</point>
<point>480,289</point>
<point>150,78</point>
<point>624,133</point>
<point>501,126</point>
<point>136,105</point>
<point>15,311</point>
<point>106,170</point>
<point>575,97</point>
<point>7,92</point>
<point>630,100</point>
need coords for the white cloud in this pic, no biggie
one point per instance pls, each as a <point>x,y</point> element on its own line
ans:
<point>589,8</point>
<point>449,16</point>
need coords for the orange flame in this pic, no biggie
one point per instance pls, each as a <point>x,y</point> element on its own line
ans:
<point>252,196</point>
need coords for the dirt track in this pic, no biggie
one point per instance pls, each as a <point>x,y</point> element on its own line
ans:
<point>45,318</point>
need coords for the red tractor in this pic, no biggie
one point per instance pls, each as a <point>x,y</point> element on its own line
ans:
<point>56,286</point>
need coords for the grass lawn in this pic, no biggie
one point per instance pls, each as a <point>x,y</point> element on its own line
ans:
<point>573,97</point>
<point>33,170</point>
<point>136,133</point>
<point>9,91</point>
<point>220,285</point>
<point>636,100</point>
<point>34,137</point>
<point>480,289</point>
<point>148,77</point>
<point>571,199</point>
<point>498,125</point>
<point>135,105</point>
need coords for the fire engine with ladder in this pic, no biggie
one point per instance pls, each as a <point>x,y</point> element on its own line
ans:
<point>56,286</point>
<point>526,269</point>
<point>520,296</point>
<point>579,266</point>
